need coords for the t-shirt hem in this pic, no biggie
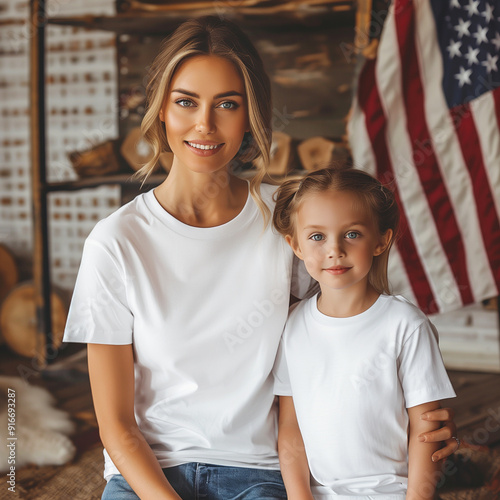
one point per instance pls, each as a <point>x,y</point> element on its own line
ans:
<point>110,470</point>
<point>372,496</point>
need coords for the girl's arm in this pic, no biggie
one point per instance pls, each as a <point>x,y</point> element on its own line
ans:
<point>111,371</point>
<point>292,455</point>
<point>423,473</point>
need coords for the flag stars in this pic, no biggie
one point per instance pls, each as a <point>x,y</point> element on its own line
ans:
<point>488,13</point>
<point>490,63</point>
<point>480,35</point>
<point>496,41</point>
<point>454,49</point>
<point>455,3</point>
<point>472,8</point>
<point>471,56</point>
<point>462,28</point>
<point>463,77</point>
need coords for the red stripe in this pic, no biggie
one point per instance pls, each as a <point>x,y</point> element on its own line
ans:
<point>423,153</point>
<point>485,205</point>
<point>496,98</point>
<point>376,125</point>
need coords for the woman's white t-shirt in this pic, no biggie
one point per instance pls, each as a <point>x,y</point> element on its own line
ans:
<point>351,380</point>
<point>204,309</point>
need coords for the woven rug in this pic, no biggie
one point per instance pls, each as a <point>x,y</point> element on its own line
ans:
<point>473,473</point>
<point>80,480</point>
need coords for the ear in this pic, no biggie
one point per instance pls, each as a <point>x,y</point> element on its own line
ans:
<point>385,241</point>
<point>296,249</point>
<point>161,115</point>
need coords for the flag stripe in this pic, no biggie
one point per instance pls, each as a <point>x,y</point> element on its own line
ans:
<point>487,112</point>
<point>450,160</point>
<point>469,139</point>
<point>420,220</point>
<point>369,100</point>
<point>430,177</point>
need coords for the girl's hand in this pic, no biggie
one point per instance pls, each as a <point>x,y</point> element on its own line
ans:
<point>447,433</point>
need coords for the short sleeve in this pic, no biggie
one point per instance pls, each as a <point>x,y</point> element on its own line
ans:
<point>421,368</point>
<point>99,312</point>
<point>303,285</point>
<point>282,385</point>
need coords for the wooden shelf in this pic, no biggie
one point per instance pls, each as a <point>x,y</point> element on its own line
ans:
<point>105,180</point>
<point>142,22</point>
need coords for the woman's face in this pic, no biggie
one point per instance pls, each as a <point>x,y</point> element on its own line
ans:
<point>205,113</point>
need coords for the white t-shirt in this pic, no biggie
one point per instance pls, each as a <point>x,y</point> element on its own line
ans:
<point>351,380</point>
<point>204,309</point>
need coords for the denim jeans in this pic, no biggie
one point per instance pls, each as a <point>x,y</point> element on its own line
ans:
<point>195,481</point>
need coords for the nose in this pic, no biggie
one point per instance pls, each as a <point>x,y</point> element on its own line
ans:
<point>336,249</point>
<point>205,121</point>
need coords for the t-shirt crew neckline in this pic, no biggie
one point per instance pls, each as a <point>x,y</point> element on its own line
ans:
<point>245,216</point>
<point>366,316</point>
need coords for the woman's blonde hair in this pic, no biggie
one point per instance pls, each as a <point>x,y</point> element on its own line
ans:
<point>211,35</point>
<point>378,199</point>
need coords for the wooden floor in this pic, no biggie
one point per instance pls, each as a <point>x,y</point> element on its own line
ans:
<point>477,409</point>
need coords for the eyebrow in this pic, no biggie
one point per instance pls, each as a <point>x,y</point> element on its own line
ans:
<point>229,93</point>
<point>347,225</point>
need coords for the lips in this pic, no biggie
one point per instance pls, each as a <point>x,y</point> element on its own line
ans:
<point>336,270</point>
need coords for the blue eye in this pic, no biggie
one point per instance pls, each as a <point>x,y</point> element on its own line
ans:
<point>316,237</point>
<point>351,235</point>
<point>184,103</point>
<point>228,105</point>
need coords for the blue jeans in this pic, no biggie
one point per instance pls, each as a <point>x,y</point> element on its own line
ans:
<point>195,481</point>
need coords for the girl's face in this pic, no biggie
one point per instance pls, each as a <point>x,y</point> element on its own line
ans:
<point>205,113</point>
<point>337,239</point>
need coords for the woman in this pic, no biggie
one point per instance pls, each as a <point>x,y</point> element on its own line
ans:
<point>182,294</point>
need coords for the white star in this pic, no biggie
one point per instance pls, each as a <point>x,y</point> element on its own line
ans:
<point>488,13</point>
<point>472,7</point>
<point>480,35</point>
<point>471,56</point>
<point>491,63</point>
<point>454,49</point>
<point>496,41</point>
<point>464,77</point>
<point>463,28</point>
<point>455,3</point>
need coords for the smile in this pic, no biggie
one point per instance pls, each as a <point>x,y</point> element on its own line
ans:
<point>204,147</point>
<point>336,270</point>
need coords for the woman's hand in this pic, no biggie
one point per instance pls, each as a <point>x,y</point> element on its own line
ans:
<point>447,433</point>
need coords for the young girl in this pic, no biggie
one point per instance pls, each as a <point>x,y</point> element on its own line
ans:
<point>183,293</point>
<point>356,366</point>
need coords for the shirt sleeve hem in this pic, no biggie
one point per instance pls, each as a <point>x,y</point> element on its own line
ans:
<point>282,391</point>
<point>422,397</point>
<point>99,339</point>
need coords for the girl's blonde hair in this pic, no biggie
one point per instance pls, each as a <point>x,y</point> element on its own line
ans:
<point>210,35</point>
<point>378,199</point>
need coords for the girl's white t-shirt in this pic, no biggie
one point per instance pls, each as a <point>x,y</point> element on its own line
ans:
<point>204,309</point>
<point>351,380</point>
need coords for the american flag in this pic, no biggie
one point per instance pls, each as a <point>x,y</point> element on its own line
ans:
<point>425,119</point>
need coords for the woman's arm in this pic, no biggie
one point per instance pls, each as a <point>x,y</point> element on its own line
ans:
<point>111,370</point>
<point>447,433</point>
<point>422,471</point>
<point>292,455</point>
